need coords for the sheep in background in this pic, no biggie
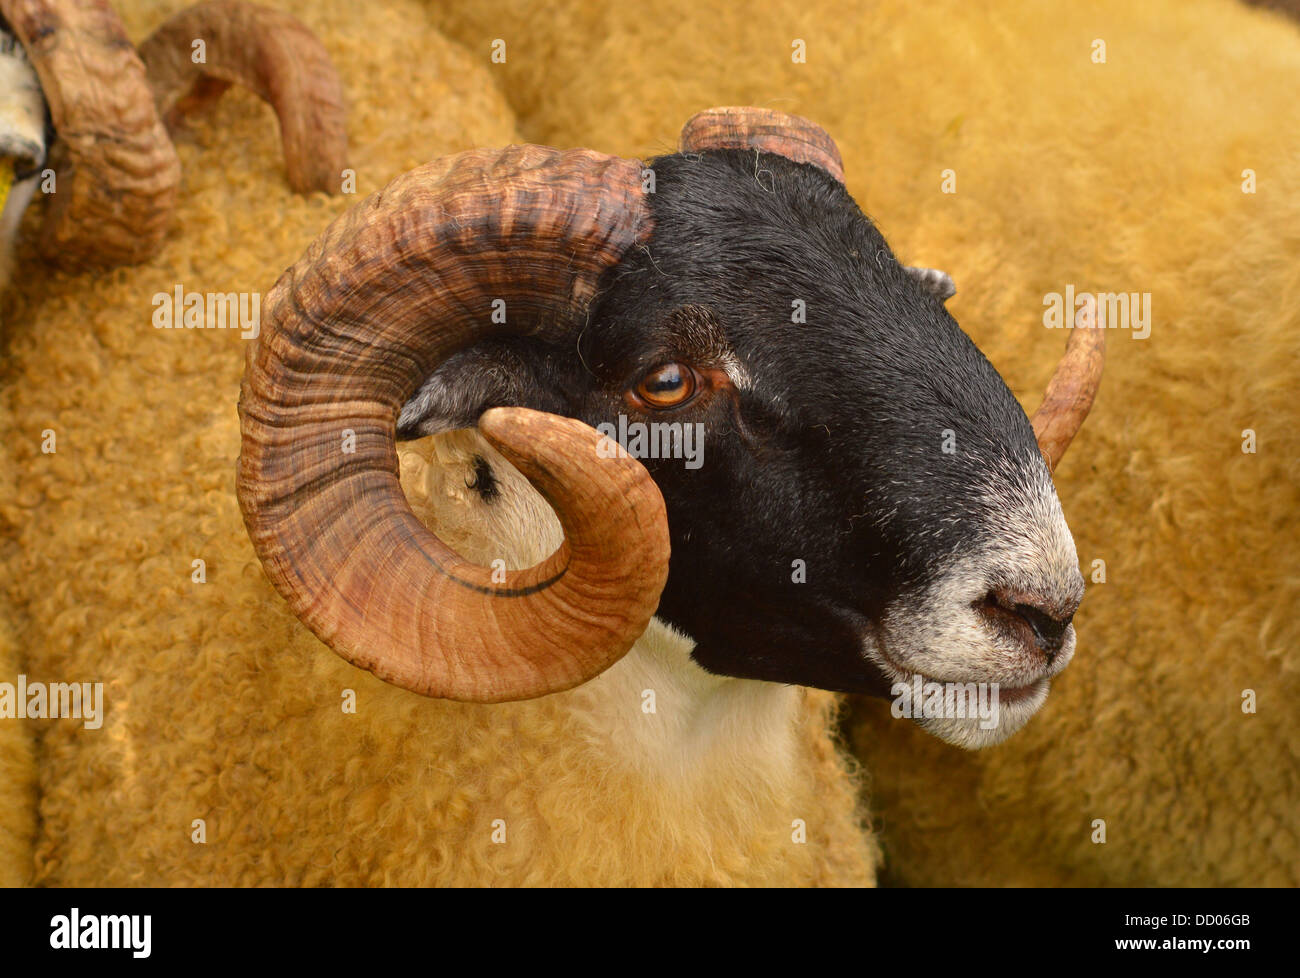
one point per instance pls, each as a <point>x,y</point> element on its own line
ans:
<point>114,175</point>
<point>1127,165</point>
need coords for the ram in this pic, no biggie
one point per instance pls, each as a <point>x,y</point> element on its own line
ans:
<point>867,441</point>
<point>875,503</point>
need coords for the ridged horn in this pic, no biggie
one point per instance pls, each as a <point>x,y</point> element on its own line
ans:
<point>386,293</point>
<point>1072,387</point>
<point>116,173</point>
<point>741,127</point>
<point>273,55</point>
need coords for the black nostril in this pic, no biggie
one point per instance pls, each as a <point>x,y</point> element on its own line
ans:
<point>1049,631</point>
<point>1047,621</point>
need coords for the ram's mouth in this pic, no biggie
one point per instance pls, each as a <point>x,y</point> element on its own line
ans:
<point>1007,694</point>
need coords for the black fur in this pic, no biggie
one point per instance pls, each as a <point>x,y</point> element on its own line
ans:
<point>832,458</point>
<point>485,481</point>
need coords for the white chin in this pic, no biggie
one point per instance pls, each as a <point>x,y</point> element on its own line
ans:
<point>972,733</point>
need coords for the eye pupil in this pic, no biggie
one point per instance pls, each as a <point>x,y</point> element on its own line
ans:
<point>665,381</point>
<point>667,386</point>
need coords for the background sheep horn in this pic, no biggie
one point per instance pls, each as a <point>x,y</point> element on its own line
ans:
<point>790,136</point>
<point>1072,387</point>
<point>384,294</point>
<point>271,54</point>
<point>116,171</point>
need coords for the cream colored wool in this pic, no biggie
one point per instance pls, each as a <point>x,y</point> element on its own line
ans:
<point>224,715</point>
<point>1126,176</point>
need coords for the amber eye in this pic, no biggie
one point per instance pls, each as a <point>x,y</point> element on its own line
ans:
<point>668,386</point>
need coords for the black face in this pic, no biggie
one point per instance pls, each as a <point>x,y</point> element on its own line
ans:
<point>827,381</point>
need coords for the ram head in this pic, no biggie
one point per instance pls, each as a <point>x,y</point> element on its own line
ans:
<point>862,500</point>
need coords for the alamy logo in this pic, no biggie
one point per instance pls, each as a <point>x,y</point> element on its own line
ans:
<point>102,932</point>
<point>179,309</point>
<point>53,701</point>
<point>1115,310</point>
<point>946,701</point>
<point>658,439</point>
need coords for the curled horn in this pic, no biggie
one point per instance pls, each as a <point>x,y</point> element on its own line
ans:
<point>772,132</point>
<point>387,292</point>
<point>273,55</point>
<point>116,171</point>
<point>1072,387</point>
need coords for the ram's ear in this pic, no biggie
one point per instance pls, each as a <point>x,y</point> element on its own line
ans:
<point>494,373</point>
<point>938,283</point>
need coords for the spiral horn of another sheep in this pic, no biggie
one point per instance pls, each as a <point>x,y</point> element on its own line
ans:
<point>746,127</point>
<point>273,55</point>
<point>117,173</point>
<point>1073,385</point>
<point>387,292</point>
